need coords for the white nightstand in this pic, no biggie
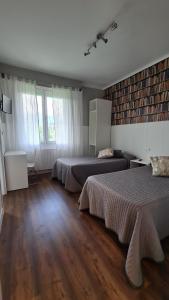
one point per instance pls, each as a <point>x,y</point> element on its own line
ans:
<point>16,170</point>
<point>134,163</point>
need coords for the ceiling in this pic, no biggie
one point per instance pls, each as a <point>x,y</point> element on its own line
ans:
<point>51,36</point>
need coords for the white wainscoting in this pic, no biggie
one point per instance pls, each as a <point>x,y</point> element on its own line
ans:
<point>143,139</point>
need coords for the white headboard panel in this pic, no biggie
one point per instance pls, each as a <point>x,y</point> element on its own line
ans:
<point>142,139</point>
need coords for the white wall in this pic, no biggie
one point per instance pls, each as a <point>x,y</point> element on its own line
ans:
<point>2,150</point>
<point>143,139</point>
<point>2,178</point>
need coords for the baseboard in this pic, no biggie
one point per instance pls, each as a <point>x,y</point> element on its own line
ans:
<point>1,218</point>
<point>39,172</point>
<point>44,171</point>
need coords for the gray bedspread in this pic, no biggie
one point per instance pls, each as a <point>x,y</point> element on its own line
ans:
<point>135,205</point>
<point>73,172</point>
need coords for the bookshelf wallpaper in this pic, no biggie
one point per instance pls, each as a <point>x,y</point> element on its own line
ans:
<point>143,97</point>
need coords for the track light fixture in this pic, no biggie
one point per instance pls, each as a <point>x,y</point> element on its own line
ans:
<point>94,44</point>
<point>101,36</point>
<point>113,25</point>
<point>87,53</point>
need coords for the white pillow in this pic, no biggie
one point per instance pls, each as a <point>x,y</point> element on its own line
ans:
<point>106,153</point>
<point>160,165</point>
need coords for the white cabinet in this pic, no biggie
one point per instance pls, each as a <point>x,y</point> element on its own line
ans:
<point>92,128</point>
<point>16,170</point>
<point>99,125</point>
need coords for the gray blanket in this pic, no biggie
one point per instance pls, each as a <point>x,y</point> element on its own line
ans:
<point>135,205</point>
<point>73,172</point>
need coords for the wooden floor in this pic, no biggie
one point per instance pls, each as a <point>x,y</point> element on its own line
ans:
<point>51,251</point>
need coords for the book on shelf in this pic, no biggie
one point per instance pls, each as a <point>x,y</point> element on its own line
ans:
<point>142,119</point>
<point>143,97</point>
<point>145,101</point>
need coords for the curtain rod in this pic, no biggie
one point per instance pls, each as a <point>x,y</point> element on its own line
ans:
<point>43,85</point>
<point>60,86</point>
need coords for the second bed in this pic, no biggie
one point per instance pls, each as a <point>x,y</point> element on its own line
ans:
<point>135,205</point>
<point>73,172</point>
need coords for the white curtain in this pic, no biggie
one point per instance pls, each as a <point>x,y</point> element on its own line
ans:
<point>22,131</point>
<point>67,112</point>
<point>22,127</point>
<point>26,117</point>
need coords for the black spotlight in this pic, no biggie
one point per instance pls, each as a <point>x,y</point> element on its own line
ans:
<point>87,53</point>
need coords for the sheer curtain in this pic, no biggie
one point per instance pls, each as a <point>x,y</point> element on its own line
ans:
<point>67,112</point>
<point>26,117</point>
<point>22,127</point>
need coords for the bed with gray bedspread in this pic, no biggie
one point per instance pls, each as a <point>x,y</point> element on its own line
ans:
<point>135,205</point>
<point>73,172</point>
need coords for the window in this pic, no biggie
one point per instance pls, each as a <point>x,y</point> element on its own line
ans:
<point>46,116</point>
<point>40,115</point>
<point>45,119</point>
<point>50,119</point>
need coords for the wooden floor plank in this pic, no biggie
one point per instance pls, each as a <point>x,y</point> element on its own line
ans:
<point>51,251</point>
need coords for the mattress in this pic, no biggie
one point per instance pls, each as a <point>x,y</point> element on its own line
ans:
<point>73,172</point>
<point>135,205</point>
